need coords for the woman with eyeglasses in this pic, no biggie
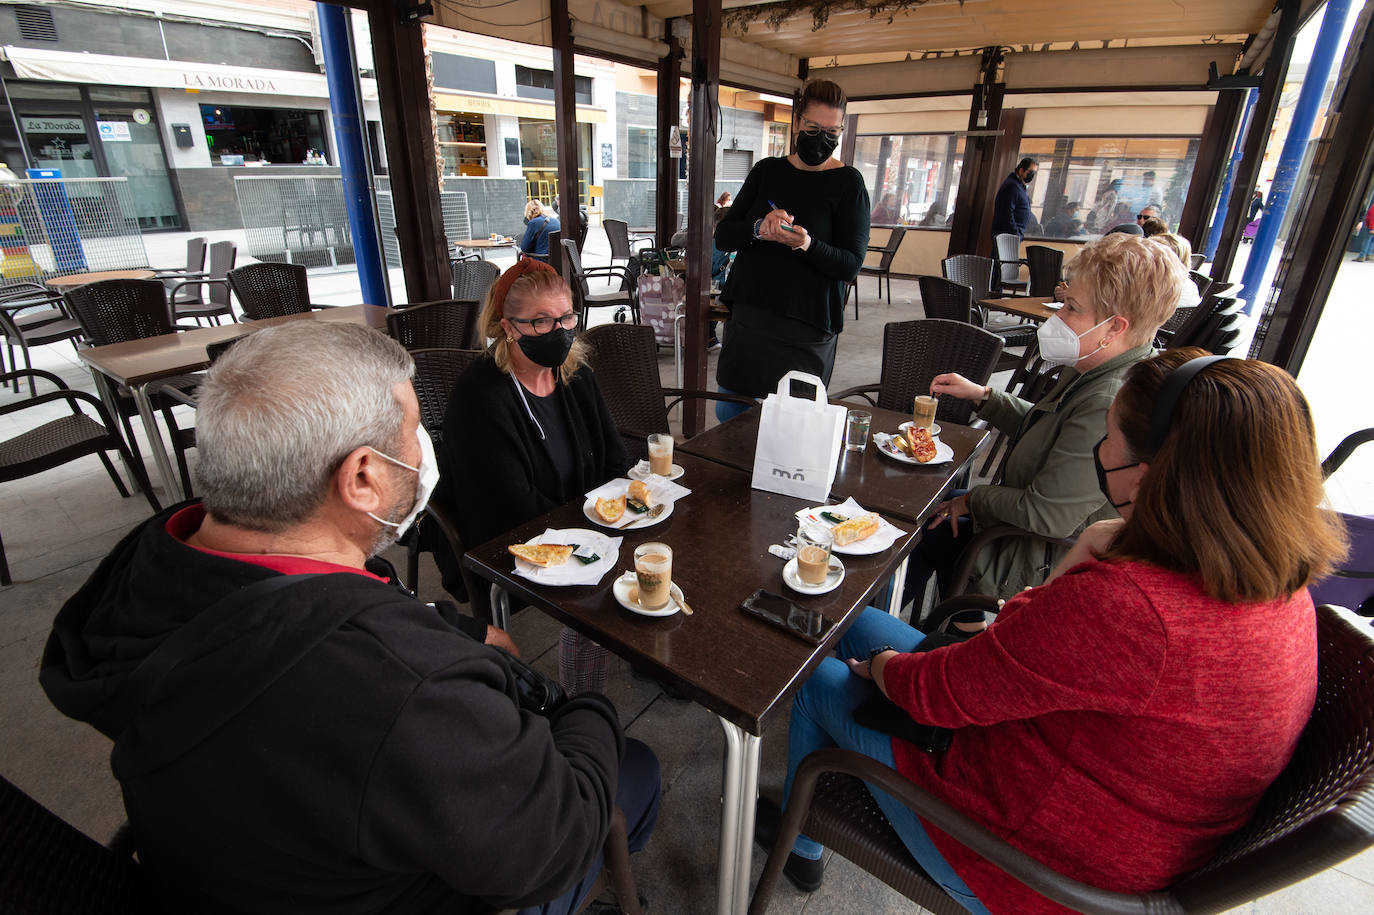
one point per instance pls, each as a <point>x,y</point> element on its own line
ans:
<point>527,430</point>
<point>799,226</point>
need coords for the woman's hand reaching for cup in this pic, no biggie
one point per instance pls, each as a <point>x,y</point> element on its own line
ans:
<point>956,385</point>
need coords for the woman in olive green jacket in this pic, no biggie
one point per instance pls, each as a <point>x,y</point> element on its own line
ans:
<point>1121,290</point>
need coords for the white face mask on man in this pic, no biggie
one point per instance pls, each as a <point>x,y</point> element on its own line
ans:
<point>1058,342</point>
<point>429,477</point>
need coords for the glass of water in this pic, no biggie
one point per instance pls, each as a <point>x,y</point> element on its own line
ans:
<point>856,430</point>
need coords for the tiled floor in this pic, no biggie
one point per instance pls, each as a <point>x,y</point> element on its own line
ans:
<point>58,524</point>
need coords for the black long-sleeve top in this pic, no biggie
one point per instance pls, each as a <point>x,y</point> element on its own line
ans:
<point>808,286</point>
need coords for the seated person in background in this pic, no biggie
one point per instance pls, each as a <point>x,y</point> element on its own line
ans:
<point>1120,291</point>
<point>1117,723</point>
<point>1154,226</point>
<point>887,212</point>
<point>1147,212</point>
<point>328,743</point>
<point>1066,223</point>
<point>1183,250</point>
<point>539,222</point>
<point>527,430</point>
<point>724,200</point>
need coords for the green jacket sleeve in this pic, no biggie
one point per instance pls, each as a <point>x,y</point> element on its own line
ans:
<point>1064,492</point>
<point>1004,411</point>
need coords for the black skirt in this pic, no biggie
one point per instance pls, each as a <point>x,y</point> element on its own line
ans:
<point>760,347</point>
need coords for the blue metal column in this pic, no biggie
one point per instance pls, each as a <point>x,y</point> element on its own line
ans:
<point>346,112</point>
<point>1294,146</point>
<point>1223,199</point>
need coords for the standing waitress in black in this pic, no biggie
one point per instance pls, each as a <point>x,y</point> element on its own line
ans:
<point>800,225</point>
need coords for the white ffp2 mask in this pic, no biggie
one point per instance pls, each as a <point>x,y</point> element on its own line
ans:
<point>1058,342</point>
<point>428,477</point>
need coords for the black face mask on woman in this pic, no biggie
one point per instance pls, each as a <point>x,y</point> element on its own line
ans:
<point>548,350</point>
<point>815,148</point>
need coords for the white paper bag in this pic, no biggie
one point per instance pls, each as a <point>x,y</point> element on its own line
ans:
<point>799,441</point>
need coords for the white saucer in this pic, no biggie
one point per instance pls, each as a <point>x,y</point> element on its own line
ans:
<point>934,428</point>
<point>589,509</point>
<point>621,590</point>
<point>634,473</point>
<point>832,581</point>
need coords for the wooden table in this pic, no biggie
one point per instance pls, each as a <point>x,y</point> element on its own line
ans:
<point>741,669</point>
<point>137,363</point>
<point>72,280</point>
<point>484,244</point>
<point>1031,307</point>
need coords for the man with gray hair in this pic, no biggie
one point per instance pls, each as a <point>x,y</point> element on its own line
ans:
<point>294,731</point>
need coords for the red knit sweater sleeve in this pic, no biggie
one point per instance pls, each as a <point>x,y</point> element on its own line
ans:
<point>1088,641</point>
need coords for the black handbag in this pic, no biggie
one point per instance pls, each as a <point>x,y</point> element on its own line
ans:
<point>534,692</point>
<point>886,717</point>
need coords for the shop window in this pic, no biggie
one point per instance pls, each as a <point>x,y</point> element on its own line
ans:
<point>777,140</point>
<point>283,136</point>
<point>913,179</point>
<point>1087,185</point>
<point>641,160</point>
<point>532,83</point>
<point>472,74</point>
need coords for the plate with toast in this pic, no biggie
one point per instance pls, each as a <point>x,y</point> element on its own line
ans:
<point>857,532</point>
<point>632,504</point>
<point>573,556</point>
<point>913,445</point>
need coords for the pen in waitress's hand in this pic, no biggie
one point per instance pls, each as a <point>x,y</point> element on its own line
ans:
<point>785,225</point>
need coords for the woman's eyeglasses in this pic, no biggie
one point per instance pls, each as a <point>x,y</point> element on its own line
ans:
<point>811,127</point>
<point>544,325</point>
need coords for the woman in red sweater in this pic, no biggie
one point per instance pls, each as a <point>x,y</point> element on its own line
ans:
<point>1119,721</point>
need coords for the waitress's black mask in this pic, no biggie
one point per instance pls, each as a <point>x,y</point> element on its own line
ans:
<point>815,148</point>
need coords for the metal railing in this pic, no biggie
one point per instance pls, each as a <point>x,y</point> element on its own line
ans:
<point>453,205</point>
<point>54,226</point>
<point>295,219</point>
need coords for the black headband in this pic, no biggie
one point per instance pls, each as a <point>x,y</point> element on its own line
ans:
<point>1174,383</point>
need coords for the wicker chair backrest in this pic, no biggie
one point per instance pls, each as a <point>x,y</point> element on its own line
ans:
<point>945,299</point>
<point>472,279</point>
<point>973,271</point>
<point>270,290</point>
<point>624,358</point>
<point>914,352</point>
<point>448,323</point>
<point>436,371</point>
<point>1046,265</point>
<point>115,311</point>
<point>618,234</point>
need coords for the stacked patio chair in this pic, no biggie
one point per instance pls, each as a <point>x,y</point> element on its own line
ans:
<point>446,323</point>
<point>59,441</point>
<point>621,299</point>
<point>472,279</point>
<point>207,295</point>
<point>1319,812</point>
<point>195,264</point>
<point>914,352</point>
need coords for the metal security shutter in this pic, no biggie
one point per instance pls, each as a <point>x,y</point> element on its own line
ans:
<point>735,164</point>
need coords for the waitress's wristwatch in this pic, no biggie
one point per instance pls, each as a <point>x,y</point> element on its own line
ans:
<point>758,224</point>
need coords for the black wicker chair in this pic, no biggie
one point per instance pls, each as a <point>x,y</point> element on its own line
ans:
<point>914,352</point>
<point>58,441</point>
<point>1201,325</point>
<point>625,360</point>
<point>973,271</point>
<point>195,262</point>
<point>472,279</point>
<point>1319,812</point>
<point>622,242</point>
<point>436,371</point>
<point>626,297</point>
<point>946,299</point>
<point>33,317</point>
<point>207,296</point>
<point>51,866</point>
<point>1046,266</point>
<point>270,290</point>
<point>117,311</point>
<point>883,269</point>
<point>446,323</point>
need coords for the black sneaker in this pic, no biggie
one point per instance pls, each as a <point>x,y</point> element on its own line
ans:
<point>805,874</point>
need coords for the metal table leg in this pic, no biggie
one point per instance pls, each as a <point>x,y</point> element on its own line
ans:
<point>894,598</point>
<point>106,393</point>
<point>740,786</point>
<point>155,443</point>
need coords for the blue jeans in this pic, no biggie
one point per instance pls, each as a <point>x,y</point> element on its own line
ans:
<point>637,794</point>
<point>1367,243</point>
<point>823,716</point>
<point>725,410</point>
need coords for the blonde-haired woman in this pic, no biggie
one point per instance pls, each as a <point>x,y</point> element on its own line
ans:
<point>539,222</point>
<point>527,430</point>
<point>1120,290</point>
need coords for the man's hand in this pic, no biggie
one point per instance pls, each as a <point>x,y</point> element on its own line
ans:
<point>499,639</point>
<point>956,385</point>
<point>951,511</point>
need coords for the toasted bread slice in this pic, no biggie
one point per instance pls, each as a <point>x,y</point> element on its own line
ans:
<point>542,554</point>
<point>858,528</point>
<point>610,510</point>
<point>922,445</point>
<point>639,491</point>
